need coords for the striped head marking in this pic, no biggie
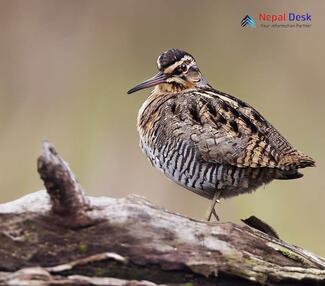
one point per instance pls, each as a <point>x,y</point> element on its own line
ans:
<point>178,71</point>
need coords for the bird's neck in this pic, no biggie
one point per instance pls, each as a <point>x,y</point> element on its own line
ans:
<point>174,87</point>
<point>151,107</point>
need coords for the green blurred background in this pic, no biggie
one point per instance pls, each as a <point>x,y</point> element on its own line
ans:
<point>66,66</point>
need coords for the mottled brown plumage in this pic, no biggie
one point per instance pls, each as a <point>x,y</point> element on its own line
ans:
<point>208,141</point>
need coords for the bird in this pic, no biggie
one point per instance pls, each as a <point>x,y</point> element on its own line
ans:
<point>206,140</point>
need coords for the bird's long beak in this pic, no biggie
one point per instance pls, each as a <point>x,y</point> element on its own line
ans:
<point>155,80</point>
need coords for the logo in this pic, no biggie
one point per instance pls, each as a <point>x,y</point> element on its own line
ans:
<point>283,17</point>
<point>278,20</point>
<point>248,21</point>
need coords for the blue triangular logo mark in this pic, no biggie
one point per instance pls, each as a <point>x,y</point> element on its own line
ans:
<point>248,21</point>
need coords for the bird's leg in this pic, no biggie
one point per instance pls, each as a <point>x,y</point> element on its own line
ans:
<point>212,210</point>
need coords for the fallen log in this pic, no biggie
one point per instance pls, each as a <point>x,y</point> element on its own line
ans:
<point>61,236</point>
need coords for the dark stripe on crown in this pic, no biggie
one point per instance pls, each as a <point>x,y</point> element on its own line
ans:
<point>170,57</point>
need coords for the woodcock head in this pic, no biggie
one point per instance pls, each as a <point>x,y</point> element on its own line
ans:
<point>177,71</point>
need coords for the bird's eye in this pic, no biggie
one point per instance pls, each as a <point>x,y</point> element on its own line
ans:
<point>183,67</point>
<point>180,69</point>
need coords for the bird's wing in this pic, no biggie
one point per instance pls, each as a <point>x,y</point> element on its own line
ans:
<point>228,131</point>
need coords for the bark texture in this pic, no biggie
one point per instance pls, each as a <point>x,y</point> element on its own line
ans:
<point>61,236</point>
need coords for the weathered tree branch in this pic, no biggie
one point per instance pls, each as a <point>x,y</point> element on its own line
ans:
<point>63,237</point>
<point>67,196</point>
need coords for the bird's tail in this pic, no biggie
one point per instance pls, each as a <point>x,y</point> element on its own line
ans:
<point>288,175</point>
<point>295,161</point>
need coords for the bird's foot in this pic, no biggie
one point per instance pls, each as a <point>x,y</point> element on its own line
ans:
<point>212,211</point>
